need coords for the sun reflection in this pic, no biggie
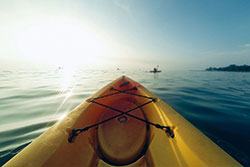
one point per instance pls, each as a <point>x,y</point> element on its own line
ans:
<point>62,116</point>
<point>67,78</point>
<point>69,94</point>
<point>67,84</point>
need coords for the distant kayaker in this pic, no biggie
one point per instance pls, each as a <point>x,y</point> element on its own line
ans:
<point>156,69</point>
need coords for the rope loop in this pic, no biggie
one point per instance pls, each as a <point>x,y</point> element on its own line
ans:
<point>167,129</point>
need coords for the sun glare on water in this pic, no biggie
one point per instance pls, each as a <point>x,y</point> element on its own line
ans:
<point>67,78</point>
<point>62,116</point>
<point>65,45</point>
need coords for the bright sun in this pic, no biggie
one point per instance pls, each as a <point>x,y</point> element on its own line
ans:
<point>59,43</point>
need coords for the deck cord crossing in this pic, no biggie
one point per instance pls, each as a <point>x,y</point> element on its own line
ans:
<point>167,129</point>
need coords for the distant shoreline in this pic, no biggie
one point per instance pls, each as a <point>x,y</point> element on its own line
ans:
<point>232,68</point>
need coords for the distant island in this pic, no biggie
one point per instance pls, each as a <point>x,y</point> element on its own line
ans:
<point>232,67</point>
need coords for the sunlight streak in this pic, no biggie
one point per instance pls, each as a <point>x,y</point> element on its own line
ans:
<point>67,78</point>
<point>67,85</point>
<point>62,116</point>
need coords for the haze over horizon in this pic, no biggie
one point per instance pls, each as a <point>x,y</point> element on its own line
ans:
<point>117,33</point>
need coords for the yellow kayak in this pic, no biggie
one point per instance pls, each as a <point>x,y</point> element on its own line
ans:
<point>123,124</point>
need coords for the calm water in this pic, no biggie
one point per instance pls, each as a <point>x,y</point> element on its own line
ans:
<point>217,103</point>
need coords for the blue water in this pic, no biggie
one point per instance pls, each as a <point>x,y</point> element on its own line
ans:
<point>217,103</point>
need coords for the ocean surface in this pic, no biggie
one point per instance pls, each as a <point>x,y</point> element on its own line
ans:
<point>217,103</point>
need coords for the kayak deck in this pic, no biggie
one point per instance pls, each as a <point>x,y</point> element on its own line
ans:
<point>123,140</point>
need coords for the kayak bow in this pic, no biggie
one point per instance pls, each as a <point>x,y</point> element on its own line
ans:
<point>122,124</point>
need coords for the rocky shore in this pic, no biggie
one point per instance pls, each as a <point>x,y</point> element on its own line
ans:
<point>232,67</point>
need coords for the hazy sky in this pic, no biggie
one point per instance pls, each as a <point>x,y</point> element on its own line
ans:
<point>176,34</point>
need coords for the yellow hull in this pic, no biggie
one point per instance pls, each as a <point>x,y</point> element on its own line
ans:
<point>123,140</point>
